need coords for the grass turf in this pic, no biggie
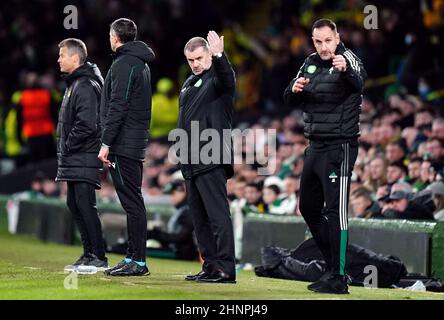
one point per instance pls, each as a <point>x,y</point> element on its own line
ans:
<point>31,269</point>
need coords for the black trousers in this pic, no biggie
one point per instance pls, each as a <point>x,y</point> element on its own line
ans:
<point>127,178</point>
<point>324,196</point>
<point>81,202</point>
<point>207,198</point>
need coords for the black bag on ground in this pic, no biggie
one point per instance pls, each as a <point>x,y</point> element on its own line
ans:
<point>305,263</point>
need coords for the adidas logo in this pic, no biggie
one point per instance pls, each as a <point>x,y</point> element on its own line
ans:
<point>333,176</point>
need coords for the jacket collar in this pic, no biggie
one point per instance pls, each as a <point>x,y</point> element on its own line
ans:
<point>71,77</point>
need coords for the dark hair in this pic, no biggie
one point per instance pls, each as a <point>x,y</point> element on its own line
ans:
<point>441,141</point>
<point>298,130</point>
<point>39,176</point>
<point>274,188</point>
<point>324,23</point>
<point>195,43</point>
<point>399,165</point>
<point>177,185</point>
<point>153,182</point>
<point>241,179</point>
<point>394,110</point>
<point>254,185</point>
<point>400,143</point>
<point>125,29</point>
<point>426,109</point>
<point>415,159</point>
<point>361,192</point>
<point>75,46</point>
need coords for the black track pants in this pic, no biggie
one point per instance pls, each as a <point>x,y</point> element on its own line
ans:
<point>127,178</point>
<point>324,195</point>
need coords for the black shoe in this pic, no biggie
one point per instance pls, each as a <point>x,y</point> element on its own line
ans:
<point>131,269</point>
<point>94,261</point>
<point>217,277</point>
<point>316,284</point>
<point>334,284</point>
<point>118,266</point>
<point>194,277</point>
<point>82,260</point>
<point>325,276</point>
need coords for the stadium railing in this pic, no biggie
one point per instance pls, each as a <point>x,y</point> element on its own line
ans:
<point>419,244</point>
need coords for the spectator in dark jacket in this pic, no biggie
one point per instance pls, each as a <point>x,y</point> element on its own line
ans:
<point>396,171</point>
<point>437,190</point>
<point>125,113</point>
<point>362,204</point>
<point>401,205</point>
<point>179,236</point>
<point>78,141</point>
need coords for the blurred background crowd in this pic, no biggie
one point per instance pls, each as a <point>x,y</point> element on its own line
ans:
<point>401,153</point>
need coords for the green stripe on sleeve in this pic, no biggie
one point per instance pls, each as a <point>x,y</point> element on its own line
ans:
<point>129,83</point>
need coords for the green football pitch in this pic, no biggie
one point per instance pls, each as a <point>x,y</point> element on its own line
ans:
<point>31,269</point>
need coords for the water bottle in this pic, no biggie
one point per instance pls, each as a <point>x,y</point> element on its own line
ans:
<point>86,270</point>
<point>417,286</point>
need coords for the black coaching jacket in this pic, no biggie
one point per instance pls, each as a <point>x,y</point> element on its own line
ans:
<point>125,110</point>
<point>331,101</point>
<point>78,131</point>
<point>208,100</point>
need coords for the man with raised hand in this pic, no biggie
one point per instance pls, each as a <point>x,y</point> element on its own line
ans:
<point>207,99</point>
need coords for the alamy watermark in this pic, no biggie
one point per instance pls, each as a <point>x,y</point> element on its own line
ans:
<point>231,146</point>
<point>371,281</point>
<point>371,18</point>
<point>71,21</point>
<point>71,281</point>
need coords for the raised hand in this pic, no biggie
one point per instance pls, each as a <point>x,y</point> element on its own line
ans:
<point>215,43</point>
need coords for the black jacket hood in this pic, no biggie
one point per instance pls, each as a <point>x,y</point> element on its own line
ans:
<point>137,49</point>
<point>89,70</point>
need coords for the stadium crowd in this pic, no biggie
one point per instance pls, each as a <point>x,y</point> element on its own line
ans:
<point>401,156</point>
